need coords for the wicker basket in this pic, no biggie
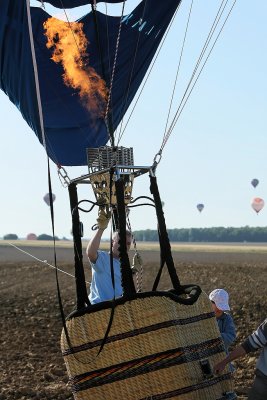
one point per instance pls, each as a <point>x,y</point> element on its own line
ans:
<point>152,345</point>
<point>160,346</point>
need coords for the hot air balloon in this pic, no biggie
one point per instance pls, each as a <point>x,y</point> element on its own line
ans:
<point>56,109</point>
<point>69,128</point>
<point>254,182</point>
<point>47,198</point>
<point>200,207</point>
<point>31,236</point>
<point>257,204</point>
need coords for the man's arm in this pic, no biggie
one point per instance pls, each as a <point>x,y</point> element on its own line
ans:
<point>238,351</point>
<point>93,246</point>
<point>102,223</point>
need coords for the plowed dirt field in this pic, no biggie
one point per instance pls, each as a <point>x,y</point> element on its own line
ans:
<point>31,364</point>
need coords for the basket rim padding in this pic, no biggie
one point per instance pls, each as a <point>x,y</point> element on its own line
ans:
<point>192,291</point>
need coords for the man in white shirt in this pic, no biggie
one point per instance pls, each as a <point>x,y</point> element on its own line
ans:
<point>102,288</point>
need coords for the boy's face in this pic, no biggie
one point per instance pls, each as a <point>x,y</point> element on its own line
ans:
<point>217,311</point>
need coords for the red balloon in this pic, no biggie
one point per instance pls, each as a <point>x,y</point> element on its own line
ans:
<point>31,236</point>
<point>257,204</point>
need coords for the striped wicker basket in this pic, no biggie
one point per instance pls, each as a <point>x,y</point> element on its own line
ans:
<point>160,346</point>
<point>153,345</point>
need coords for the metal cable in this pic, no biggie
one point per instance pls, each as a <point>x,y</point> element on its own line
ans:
<point>126,95</point>
<point>113,74</point>
<point>186,96</point>
<point>151,67</point>
<point>42,261</point>
<point>178,68</point>
<point>209,37</point>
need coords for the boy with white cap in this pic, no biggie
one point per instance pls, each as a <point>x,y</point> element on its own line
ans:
<point>220,303</point>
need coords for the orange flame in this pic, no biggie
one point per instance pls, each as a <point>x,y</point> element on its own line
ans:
<point>69,45</point>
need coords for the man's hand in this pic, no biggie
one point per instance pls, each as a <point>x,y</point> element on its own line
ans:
<point>104,216</point>
<point>237,352</point>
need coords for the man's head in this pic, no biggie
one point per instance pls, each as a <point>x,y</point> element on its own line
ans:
<point>115,243</point>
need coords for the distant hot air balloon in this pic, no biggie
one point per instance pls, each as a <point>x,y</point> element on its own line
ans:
<point>47,198</point>
<point>31,236</point>
<point>257,204</point>
<point>200,207</point>
<point>254,182</point>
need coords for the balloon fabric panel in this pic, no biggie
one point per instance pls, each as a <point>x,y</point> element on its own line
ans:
<point>69,128</point>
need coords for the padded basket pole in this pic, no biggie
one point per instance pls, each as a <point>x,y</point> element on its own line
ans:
<point>126,272</point>
<point>81,292</point>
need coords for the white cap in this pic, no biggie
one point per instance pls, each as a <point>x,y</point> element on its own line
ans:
<point>221,299</point>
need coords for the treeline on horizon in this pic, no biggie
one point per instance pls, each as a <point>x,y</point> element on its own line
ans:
<point>43,236</point>
<point>215,234</point>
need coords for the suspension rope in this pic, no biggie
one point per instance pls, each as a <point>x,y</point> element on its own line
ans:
<point>178,68</point>
<point>37,85</point>
<point>111,135</point>
<point>109,121</point>
<point>36,77</point>
<point>39,104</point>
<point>189,90</point>
<point>55,93</point>
<point>109,63</point>
<point>150,69</point>
<point>127,91</point>
<point>69,23</point>
<point>177,115</point>
<point>209,37</point>
<point>45,262</point>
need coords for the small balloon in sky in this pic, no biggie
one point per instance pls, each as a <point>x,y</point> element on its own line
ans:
<point>200,207</point>
<point>257,204</point>
<point>254,182</point>
<point>47,198</point>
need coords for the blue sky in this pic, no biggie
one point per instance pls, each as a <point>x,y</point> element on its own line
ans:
<point>217,147</point>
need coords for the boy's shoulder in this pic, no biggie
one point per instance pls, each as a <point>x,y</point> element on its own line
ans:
<point>226,316</point>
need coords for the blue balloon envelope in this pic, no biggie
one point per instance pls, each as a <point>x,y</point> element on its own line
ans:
<point>69,128</point>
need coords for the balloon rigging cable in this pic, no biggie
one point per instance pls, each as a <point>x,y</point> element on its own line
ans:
<point>42,261</point>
